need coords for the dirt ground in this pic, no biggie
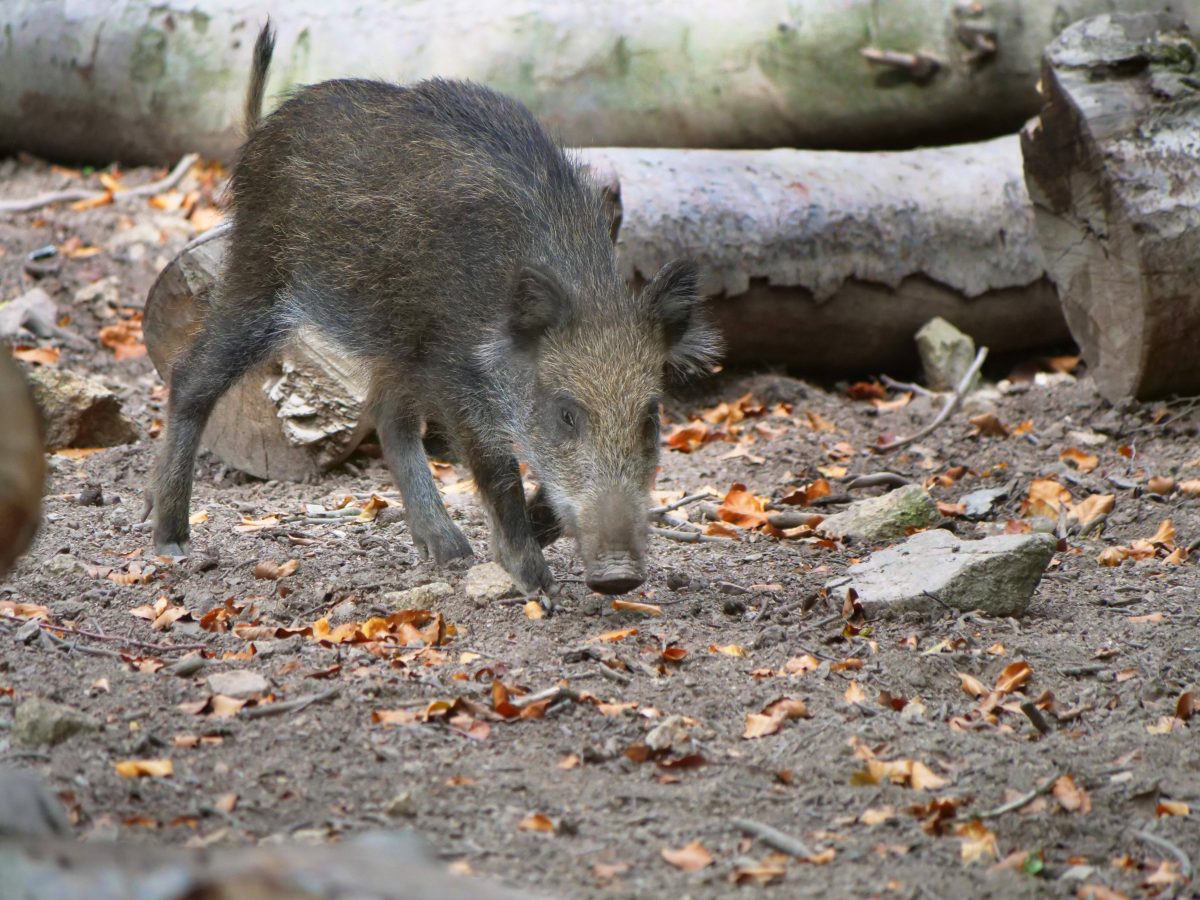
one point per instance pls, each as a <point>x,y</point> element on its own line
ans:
<point>889,779</point>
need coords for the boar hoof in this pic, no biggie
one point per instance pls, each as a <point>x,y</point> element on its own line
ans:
<point>444,546</point>
<point>174,549</point>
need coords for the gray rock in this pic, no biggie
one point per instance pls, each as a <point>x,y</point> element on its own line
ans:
<point>979,504</point>
<point>241,684</point>
<point>32,314</point>
<point>934,569</point>
<point>946,354</point>
<point>38,721</point>
<point>487,583</point>
<point>422,596</point>
<point>79,411</point>
<point>884,518</point>
<point>64,564</point>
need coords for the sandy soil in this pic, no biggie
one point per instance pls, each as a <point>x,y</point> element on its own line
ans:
<point>569,800</point>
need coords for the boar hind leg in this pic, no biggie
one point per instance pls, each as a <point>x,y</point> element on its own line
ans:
<point>230,344</point>
<point>433,534</point>
<point>546,526</point>
<point>514,544</point>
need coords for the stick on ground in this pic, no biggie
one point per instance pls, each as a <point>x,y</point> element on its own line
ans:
<point>952,402</point>
<point>155,187</point>
<point>288,706</point>
<point>1024,800</point>
<point>773,837</point>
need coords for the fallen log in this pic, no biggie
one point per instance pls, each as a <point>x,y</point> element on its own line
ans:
<point>1111,167</point>
<point>22,467</point>
<point>289,419</point>
<point>144,81</point>
<point>827,262</point>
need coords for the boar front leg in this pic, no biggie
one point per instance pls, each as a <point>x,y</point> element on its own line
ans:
<point>433,534</point>
<point>514,544</point>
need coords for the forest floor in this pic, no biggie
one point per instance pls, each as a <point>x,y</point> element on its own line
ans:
<point>411,728</point>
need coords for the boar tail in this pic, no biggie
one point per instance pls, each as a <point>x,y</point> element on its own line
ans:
<point>264,48</point>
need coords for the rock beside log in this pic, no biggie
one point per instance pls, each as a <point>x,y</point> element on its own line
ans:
<point>22,467</point>
<point>79,411</point>
<point>933,570</point>
<point>1111,164</point>
<point>289,419</point>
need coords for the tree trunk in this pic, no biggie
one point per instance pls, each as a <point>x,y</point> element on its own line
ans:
<point>826,262</point>
<point>146,82</point>
<point>830,262</point>
<point>22,468</point>
<point>289,419</point>
<point>1112,168</point>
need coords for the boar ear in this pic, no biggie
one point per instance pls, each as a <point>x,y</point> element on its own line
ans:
<point>692,343</point>
<point>538,304</point>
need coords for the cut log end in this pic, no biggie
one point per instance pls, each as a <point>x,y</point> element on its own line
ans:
<point>1116,195</point>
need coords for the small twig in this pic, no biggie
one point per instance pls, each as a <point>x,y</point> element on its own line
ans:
<point>558,692</point>
<point>1024,800</point>
<point>791,519</point>
<point>684,501</point>
<point>115,638</point>
<point>211,235</point>
<point>155,187</point>
<point>1034,715</point>
<point>1185,863</point>
<point>878,479</point>
<point>919,66</point>
<point>1087,669</point>
<point>773,837</point>
<point>895,385</point>
<point>831,500</point>
<point>613,674</point>
<point>288,706</point>
<point>689,537</point>
<point>950,405</point>
<point>75,647</point>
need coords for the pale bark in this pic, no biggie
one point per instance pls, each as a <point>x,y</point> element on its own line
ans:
<point>147,82</point>
<point>22,468</point>
<point>1112,168</point>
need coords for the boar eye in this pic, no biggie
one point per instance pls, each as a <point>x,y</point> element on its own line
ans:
<point>568,417</point>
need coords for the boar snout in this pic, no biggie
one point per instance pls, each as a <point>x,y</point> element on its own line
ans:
<point>613,542</point>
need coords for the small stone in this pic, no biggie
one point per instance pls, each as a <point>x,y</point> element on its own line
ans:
<point>63,564</point>
<point>423,596</point>
<point>979,504</point>
<point>487,583</point>
<point>670,732</point>
<point>933,570</point>
<point>187,667</point>
<point>241,684</point>
<point>402,806</point>
<point>946,354</point>
<point>38,721</point>
<point>91,495</point>
<point>889,517</point>
<point>79,411</point>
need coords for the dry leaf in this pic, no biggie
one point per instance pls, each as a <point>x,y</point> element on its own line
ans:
<point>989,425</point>
<point>977,841</point>
<point>1070,796</point>
<point>42,356</point>
<point>877,815</point>
<point>613,636</point>
<point>1089,508</point>
<point>855,694</point>
<point>1047,497</point>
<point>1013,676</point>
<point>537,822</point>
<point>728,650</point>
<point>124,339</point>
<point>691,858</point>
<point>632,606</point>
<point>972,685</point>
<point>144,768</point>
<point>743,509</point>
<point>270,570</point>
<point>1172,808</point>
<point>1084,462</point>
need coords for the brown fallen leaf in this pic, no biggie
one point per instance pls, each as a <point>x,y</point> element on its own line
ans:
<point>989,425</point>
<point>537,822</point>
<point>144,768</point>
<point>690,858</point>
<point>1070,796</point>
<point>633,606</point>
<point>743,509</point>
<point>1081,460</point>
<point>270,570</point>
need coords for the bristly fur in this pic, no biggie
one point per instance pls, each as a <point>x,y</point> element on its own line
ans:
<point>438,234</point>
